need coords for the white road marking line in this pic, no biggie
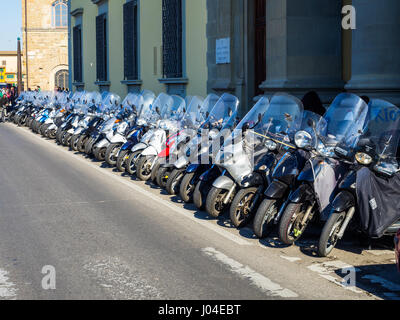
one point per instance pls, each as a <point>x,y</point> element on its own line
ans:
<point>291,259</point>
<point>257,279</point>
<point>183,212</point>
<point>7,288</point>
<point>379,252</point>
<point>325,270</point>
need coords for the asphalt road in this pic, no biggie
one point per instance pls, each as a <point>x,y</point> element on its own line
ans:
<point>111,237</point>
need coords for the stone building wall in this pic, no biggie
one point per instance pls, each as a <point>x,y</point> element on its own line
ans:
<point>47,50</point>
<point>307,49</point>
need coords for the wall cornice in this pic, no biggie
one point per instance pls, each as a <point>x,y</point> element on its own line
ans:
<point>77,12</point>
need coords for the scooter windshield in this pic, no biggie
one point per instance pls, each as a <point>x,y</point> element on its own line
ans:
<point>222,112</point>
<point>147,98</point>
<point>193,108</point>
<point>206,108</point>
<point>175,110</point>
<point>282,118</point>
<point>158,108</point>
<point>250,121</point>
<point>381,136</point>
<point>254,117</point>
<point>345,118</point>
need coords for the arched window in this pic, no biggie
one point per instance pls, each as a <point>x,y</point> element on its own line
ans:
<point>61,79</point>
<point>59,10</point>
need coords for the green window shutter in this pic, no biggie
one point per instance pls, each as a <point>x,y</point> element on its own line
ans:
<point>101,47</point>
<point>130,40</point>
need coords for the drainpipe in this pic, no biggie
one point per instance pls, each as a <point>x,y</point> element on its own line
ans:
<point>26,45</point>
<point>69,48</point>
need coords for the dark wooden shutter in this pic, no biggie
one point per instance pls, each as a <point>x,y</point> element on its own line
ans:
<point>130,41</point>
<point>77,43</point>
<point>172,38</point>
<point>101,47</point>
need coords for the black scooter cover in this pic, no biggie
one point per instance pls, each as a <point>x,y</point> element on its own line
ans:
<point>378,201</point>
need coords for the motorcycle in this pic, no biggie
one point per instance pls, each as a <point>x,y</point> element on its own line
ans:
<point>139,128</point>
<point>168,127</point>
<point>109,108</point>
<point>366,199</point>
<point>275,195</point>
<point>152,121</point>
<point>275,132</point>
<point>202,150</point>
<point>319,178</point>
<point>166,174</point>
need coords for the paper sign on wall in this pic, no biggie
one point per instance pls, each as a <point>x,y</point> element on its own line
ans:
<point>223,51</point>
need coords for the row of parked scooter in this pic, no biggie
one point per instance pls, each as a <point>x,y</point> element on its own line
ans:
<point>282,166</point>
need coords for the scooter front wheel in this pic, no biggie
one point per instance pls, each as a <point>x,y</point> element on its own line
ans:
<point>294,222</point>
<point>100,153</point>
<point>143,168</point>
<point>198,198</point>
<point>186,189</point>
<point>74,142</point>
<point>162,177</point>
<point>264,219</point>
<point>215,205</point>
<point>111,153</point>
<point>241,208</point>
<point>121,161</point>
<point>329,235</point>
<point>81,143</point>
<point>130,163</point>
<point>174,181</point>
<point>154,172</point>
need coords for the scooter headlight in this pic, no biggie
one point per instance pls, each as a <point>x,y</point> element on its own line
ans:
<point>363,158</point>
<point>271,145</point>
<point>303,139</point>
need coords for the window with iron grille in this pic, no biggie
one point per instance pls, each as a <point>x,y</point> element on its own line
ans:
<point>172,38</point>
<point>131,40</point>
<point>77,43</point>
<point>61,79</point>
<point>101,47</point>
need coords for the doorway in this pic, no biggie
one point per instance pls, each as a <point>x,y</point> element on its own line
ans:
<point>260,28</point>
